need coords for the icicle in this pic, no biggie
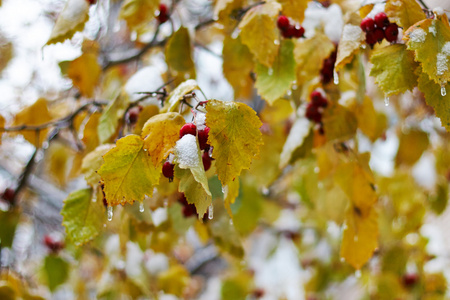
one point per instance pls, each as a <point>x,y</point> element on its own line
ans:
<point>141,207</point>
<point>211,212</point>
<point>270,72</point>
<point>386,100</point>
<point>110,213</point>
<point>358,273</point>
<point>335,77</point>
<point>443,91</point>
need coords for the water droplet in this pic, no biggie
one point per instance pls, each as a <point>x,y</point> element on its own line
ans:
<point>141,207</point>
<point>145,150</point>
<point>289,93</point>
<point>276,42</point>
<point>235,33</point>
<point>154,94</point>
<point>231,222</point>
<point>355,238</point>
<point>265,191</point>
<point>358,273</point>
<point>104,225</point>
<point>316,170</point>
<point>110,213</point>
<point>211,212</point>
<point>270,72</point>
<point>294,86</point>
<point>335,77</point>
<point>342,259</point>
<point>443,91</point>
<point>386,101</point>
<point>363,46</point>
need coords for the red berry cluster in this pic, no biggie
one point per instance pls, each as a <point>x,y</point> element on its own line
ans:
<point>326,73</point>
<point>188,209</point>
<point>379,28</point>
<point>163,15</point>
<point>52,244</point>
<point>315,108</point>
<point>191,128</point>
<point>288,30</point>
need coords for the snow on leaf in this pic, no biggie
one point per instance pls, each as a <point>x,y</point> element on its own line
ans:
<point>394,69</point>
<point>177,94</point>
<point>85,73</point>
<point>160,133</point>
<point>35,114</point>
<point>351,40</point>
<point>128,173</point>
<point>405,12</point>
<point>360,237</point>
<point>294,9</point>
<point>272,83</point>
<point>92,162</point>
<point>309,55</point>
<point>258,32</point>
<point>82,217</point>
<point>430,39</point>
<point>234,135</point>
<point>72,19</point>
<point>295,139</point>
<point>179,53</point>
<point>109,120</point>
<point>138,12</point>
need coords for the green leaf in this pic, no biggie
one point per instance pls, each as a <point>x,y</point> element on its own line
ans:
<point>272,83</point>
<point>72,19</point>
<point>249,211</point>
<point>405,13</point>
<point>57,271</point>
<point>109,120</point>
<point>179,53</point>
<point>9,220</point>
<point>82,218</point>
<point>177,95</point>
<point>128,173</point>
<point>234,135</point>
<point>259,33</point>
<point>394,69</point>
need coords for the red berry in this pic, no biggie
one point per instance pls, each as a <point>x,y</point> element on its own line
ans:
<point>410,279</point>
<point>283,22</point>
<point>133,115</point>
<point>299,32</point>
<point>8,195</point>
<point>206,161</point>
<point>188,128</point>
<point>391,32</point>
<point>318,100</point>
<point>258,293</point>
<point>189,210</point>
<point>163,13</point>
<point>203,138</point>
<point>367,25</point>
<point>378,34</point>
<point>91,2</point>
<point>289,32</point>
<point>312,113</point>
<point>54,246</point>
<point>381,20</point>
<point>370,38</point>
<point>168,170</point>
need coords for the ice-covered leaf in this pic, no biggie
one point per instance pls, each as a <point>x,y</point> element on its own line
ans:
<point>339,122</point>
<point>405,12</point>
<point>360,237</point>
<point>259,33</point>
<point>294,9</point>
<point>394,69</point>
<point>310,54</point>
<point>179,53</point>
<point>36,114</point>
<point>433,97</point>
<point>85,73</point>
<point>160,133</point>
<point>273,82</point>
<point>128,173</point>
<point>295,139</point>
<point>72,19</point>
<point>177,94</point>
<point>237,66</point>
<point>92,163</point>
<point>138,12</point>
<point>82,217</point>
<point>190,171</point>
<point>430,39</point>
<point>56,270</point>
<point>109,120</point>
<point>351,40</point>
<point>234,135</point>
<point>412,144</point>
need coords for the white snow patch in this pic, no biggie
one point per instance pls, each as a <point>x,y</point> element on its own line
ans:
<point>432,29</point>
<point>159,216</point>
<point>418,35</point>
<point>155,262</point>
<point>147,79</point>
<point>297,135</point>
<point>424,171</point>
<point>186,152</point>
<point>134,260</point>
<point>446,48</point>
<point>351,33</point>
<point>439,11</point>
<point>200,120</point>
<point>441,63</point>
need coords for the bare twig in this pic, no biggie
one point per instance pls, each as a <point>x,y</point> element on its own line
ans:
<point>423,4</point>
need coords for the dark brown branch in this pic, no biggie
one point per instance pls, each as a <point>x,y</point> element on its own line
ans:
<point>423,4</point>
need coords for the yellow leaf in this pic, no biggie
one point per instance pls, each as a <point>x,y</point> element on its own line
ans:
<point>128,173</point>
<point>351,40</point>
<point>365,10</point>
<point>339,123</point>
<point>88,128</point>
<point>72,19</point>
<point>146,113</point>
<point>234,135</point>
<point>412,144</point>
<point>310,54</point>
<point>297,135</point>
<point>109,120</point>
<point>177,94</point>
<point>294,9</point>
<point>6,51</point>
<point>259,33</point>
<point>160,134</point>
<point>394,69</point>
<point>360,237</point>
<point>430,39</point>
<point>405,13</point>
<point>58,155</point>
<point>371,122</point>
<point>174,280</point>
<point>225,12</point>
<point>138,12</point>
<point>92,163</point>
<point>179,53</point>
<point>36,114</point>
<point>231,191</point>
<point>85,73</point>
<point>237,66</point>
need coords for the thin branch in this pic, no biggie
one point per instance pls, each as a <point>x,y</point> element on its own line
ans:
<point>423,4</point>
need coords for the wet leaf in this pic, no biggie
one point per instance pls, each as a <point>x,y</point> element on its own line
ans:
<point>6,52</point>
<point>9,220</point>
<point>231,192</point>
<point>174,280</point>
<point>405,13</point>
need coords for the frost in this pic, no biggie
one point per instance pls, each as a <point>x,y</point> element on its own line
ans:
<point>446,49</point>
<point>418,35</point>
<point>441,63</point>
<point>186,151</point>
<point>432,30</point>
<point>352,33</point>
